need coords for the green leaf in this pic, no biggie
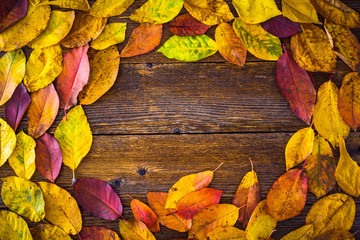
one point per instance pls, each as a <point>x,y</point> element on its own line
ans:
<point>188,48</point>
<point>13,227</point>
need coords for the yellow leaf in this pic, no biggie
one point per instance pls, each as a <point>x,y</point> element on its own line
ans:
<point>49,232</point>
<point>112,34</point>
<point>58,27</point>
<point>23,197</point>
<point>85,28</point>
<point>337,12</point>
<point>347,172</point>
<point>326,117</point>
<point>258,42</point>
<point>104,68</point>
<point>7,141</point>
<point>336,235</point>
<point>209,12</point>
<point>217,215</point>
<point>109,8</point>
<point>13,227</point>
<point>74,137</point>
<point>26,29</point>
<point>299,147</point>
<point>301,11</point>
<point>256,11</point>
<point>261,224</point>
<point>157,11</point>
<point>43,66</point>
<point>135,230</point>
<point>61,208</point>
<point>312,50</point>
<point>82,5</point>
<point>303,233</point>
<point>226,233</point>
<point>333,212</point>
<point>22,159</point>
<point>12,72</point>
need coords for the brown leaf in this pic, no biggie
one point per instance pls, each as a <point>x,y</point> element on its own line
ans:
<point>187,25</point>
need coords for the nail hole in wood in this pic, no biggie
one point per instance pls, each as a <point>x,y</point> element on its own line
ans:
<point>177,131</point>
<point>141,171</point>
<point>149,65</point>
<point>118,182</point>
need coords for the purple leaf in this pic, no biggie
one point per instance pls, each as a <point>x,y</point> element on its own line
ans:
<point>281,27</point>
<point>16,106</point>
<point>11,11</point>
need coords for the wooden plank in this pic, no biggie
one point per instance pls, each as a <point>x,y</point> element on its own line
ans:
<point>166,158</point>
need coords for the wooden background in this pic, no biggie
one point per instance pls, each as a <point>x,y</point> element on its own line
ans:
<point>164,119</point>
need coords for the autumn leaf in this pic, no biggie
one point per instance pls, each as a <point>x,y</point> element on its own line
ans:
<point>320,168</point>
<point>299,147</point>
<point>12,72</point>
<point>145,214</point>
<point>226,233</point>
<point>134,229</point>
<point>312,50</point>
<point>157,11</point>
<point>74,137</point>
<point>109,8</point>
<point>327,119</point>
<point>157,201</point>
<point>347,172</point>
<point>112,34</point>
<point>12,11</point>
<point>346,43</point>
<point>7,141</point>
<point>337,12</point>
<point>281,27</point>
<point>61,208</point>
<point>58,27</point>
<point>349,100</point>
<point>187,25</point>
<point>42,111</point>
<point>247,196</point>
<point>98,198</point>
<point>261,224</point>
<point>304,233</point>
<point>230,45</point>
<point>73,77</point>
<point>333,212</point>
<point>22,159</point>
<point>188,48</point>
<point>85,28</point>
<point>336,235</point>
<point>48,158</point>
<point>26,29</point>
<point>299,11</point>
<point>43,66</point>
<point>104,68</point>
<point>287,196</point>
<point>257,11</point>
<point>48,232</point>
<point>217,215</point>
<point>16,106</point>
<point>98,233</point>
<point>145,38</point>
<point>209,12</point>
<point>23,197</point>
<point>13,226</point>
<point>82,5</point>
<point>257,41</point>
<point>296,86</point>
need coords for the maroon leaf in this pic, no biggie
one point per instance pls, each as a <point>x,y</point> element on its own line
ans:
<point>186,25</point>
<point>48,157</point>
<point>16,106</point>
<point>98,198</point>
<point>296,86</point>
<point>281,27</point>
<point>98,233</point>
<point>11,11</point>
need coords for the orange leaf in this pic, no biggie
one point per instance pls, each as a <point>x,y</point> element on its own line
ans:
<point>143,213</point>
<point>287,196</point>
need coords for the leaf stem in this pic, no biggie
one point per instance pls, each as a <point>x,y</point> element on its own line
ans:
<point>218,166</point>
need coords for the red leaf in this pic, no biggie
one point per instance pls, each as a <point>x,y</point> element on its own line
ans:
<point>74,76</point>
<point>281,27</point>
<point>98,198</point>
<point>16,106</point>
<point>48,157</point>
<point>187,25</point>
<point>144,213</point>
<point>98,233</point>
<point>296,86</point>
<point>11,11</point>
